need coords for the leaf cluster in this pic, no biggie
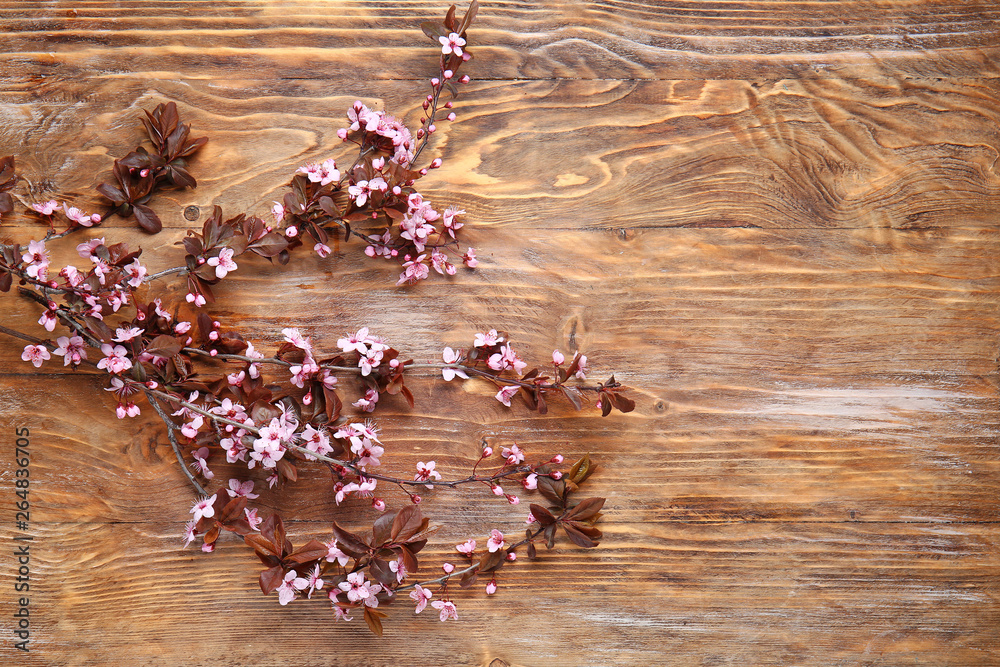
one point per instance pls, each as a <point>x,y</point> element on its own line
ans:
<point>140,173</point>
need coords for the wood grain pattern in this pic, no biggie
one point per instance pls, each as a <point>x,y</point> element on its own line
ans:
<point>777,221</point>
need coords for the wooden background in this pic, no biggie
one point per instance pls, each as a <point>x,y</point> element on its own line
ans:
<point>777,221</point>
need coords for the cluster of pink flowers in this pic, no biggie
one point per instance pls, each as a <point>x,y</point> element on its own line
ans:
<point>49,208</point>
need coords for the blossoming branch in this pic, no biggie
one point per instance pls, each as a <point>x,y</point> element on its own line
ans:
<point>222,399</point>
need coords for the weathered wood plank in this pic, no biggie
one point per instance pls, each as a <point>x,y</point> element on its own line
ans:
<point>866,448</point>
<point>740,308</point>
<point>578,155</point>
<point>626,39</point>
<point>664,593</point>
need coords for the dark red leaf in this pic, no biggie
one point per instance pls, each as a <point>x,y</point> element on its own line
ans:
<point>147,218</point>
<point>543,516</point>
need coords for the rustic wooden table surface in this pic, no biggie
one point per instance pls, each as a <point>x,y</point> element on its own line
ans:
<point>777,221</point>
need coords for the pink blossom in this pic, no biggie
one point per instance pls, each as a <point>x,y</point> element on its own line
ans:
<point>204,508</point>
<point>488,339</point>
<point>466,547</point>
<point>453,43</point>
<point>223,263</point>
<point>369,361</point>
<point>426,471</point>
<point>356,342</point>
<point>420,595</point>
<point>71,349</point>
<point>86,250</point>
<point>440,263</point>
<point>242,489</point>
<point>48,320</point>
<point>450,356</point>
<point>496,541</point>
<point>46,208</point>
<point>557,357</point>
<point>201,463</point>
<point>378,504</point>
<point>513,454</point>
<point>130,409</point>
<point>356,587</point>
<point>315,583</point>
<point>449,221</point>
<point>115,359</point>
<point>531,519</point>
<point>367,403</point>
<point>582,367</point>
<point>126,334</point>
<point>197,299</point>
<point>414,271</point>
<point>136,272</point>
<point>298,340</point>
<point>505,394</point>
<point>335,554</point>
<point>322,250</point>
<point>530,482</point>
<point>338,612</point>
<point>506,358</point>
<point>363,190</point>
<point>38,260</point>
<point>252,518</point>
<point>447,608</point>
<point>81,218</point>
<point>470,258</point>
<point>324,173</point>
<point>278,213</point>
<point>36,354</point>
<point>292,583</point>
<point>189,533</point>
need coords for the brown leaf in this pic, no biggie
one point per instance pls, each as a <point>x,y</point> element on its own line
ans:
<point>349,543</point>
<point>373,617</point>
<point>271,578</point>
<point>407,523</point>
<point>311,550</point>
<point>542,515</point>
<point>147,218</point>
<point>585,509</point>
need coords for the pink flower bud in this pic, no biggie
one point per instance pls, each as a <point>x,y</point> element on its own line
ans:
<point>452,116</point>
<point>379,504</point>
<point>497,491</point>
<point>557,357</point>
<point>435,82</point>
<point>512,556</point>
<point>558,458</point>
<point>448,568</point>
<point>491,587</point>
<point>555,474</point>
<point>487,452</point>
<point>512,499</point>
<point>415,499</point>
<point>465,79</point>
<point>342,133</point>
<point>213,353</point>
<point>436,163</point>
<point>448,74</point>
<point>431,129</point>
